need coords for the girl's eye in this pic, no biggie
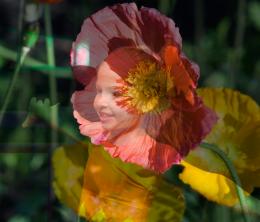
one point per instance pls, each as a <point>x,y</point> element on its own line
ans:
<point>116,93</point>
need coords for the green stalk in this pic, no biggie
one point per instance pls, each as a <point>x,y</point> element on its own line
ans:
<point>52,79</point>
<point>166,6</point>
<point>31,63</point>
<point>234,175</point>
<point>24,52</point>
<point>238,41</point>
<point>52,92</point>
<point>20,19</point>
<point>80,219</point>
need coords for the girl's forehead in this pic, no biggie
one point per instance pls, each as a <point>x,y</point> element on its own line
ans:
<point>105,75</point>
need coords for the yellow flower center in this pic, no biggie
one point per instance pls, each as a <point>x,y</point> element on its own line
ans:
<point>148,88</point>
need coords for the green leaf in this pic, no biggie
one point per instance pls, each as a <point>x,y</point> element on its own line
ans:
<point>39,109</point>
<point>254,13</point>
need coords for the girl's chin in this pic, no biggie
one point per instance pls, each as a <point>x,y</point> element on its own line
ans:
<point>112,130</point>
<point>107,126</point>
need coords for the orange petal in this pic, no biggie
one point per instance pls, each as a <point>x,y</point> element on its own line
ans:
<point>118,191</point>
<point>170,55</point>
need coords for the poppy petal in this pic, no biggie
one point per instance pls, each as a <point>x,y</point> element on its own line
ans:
<point>158,30</point>
<point>125,26</point>
<point>213,186</point>
<point>112,190</point>
<point>126,58</point>
<point>68,166</point>
<point>182,79</point>
<point>98,39</point>
<point>125,191</point>
<point>139,46</point>
<point>237,134</point>
<point>185,130</point>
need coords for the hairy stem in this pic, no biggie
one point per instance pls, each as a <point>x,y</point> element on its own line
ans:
<point>233,173</point>
<point>21,58</point>
<point>52,79</point>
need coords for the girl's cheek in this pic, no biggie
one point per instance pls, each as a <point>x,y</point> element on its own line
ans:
<point>96,102</point>
<point>102,100</point>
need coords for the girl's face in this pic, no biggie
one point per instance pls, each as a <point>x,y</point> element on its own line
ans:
<point>112,117</point>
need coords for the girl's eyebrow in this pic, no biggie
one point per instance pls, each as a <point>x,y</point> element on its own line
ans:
<point>112,88</point>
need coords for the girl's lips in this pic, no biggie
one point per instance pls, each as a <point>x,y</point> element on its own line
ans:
<point>105,117</point>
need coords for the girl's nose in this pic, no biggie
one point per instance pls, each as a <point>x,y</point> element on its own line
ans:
<point>101,101</point>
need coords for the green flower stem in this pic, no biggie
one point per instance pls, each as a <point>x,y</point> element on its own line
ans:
<point>68,134</point>
<point>80,219</point>
<point>31,63</point>
<point>61,130</point>
<point>52,88</point>
<point>52,79</point>
<point>238,41</point>
<point>21,58</point>
<point>21,19</point>
<point>235,177</point>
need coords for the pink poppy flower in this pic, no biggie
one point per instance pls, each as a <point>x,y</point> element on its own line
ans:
<point>139,99</point>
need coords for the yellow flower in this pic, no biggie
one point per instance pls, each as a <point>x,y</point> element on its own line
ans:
<point>68,167</point>
<point>237,133</point>
<point>148,88</point>
<point>213,186</point>
<point>113,190</point>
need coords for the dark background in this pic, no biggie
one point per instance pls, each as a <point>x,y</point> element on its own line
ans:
<point>221,36</point>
